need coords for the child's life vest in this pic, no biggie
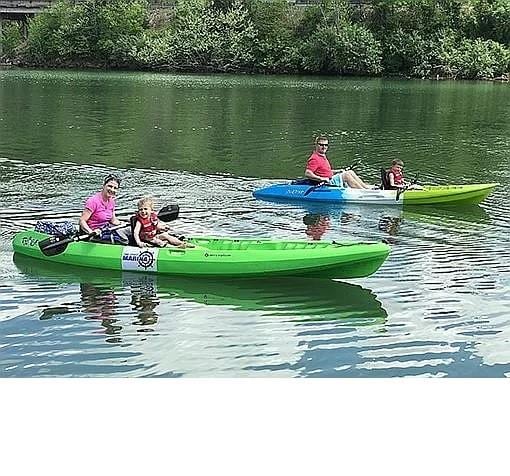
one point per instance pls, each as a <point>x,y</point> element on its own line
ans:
<point>149,226</point>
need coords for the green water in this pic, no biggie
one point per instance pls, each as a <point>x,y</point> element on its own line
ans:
<point>437,307</point>
<point>251,126</point>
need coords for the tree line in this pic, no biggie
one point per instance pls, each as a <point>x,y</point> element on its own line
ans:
<point>460,39</point>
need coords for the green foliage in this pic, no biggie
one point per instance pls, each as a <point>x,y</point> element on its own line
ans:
<point>479,59</point>
<point>451,57</point>
<point>205,38</point>
<point>275,46</point>
<point>425,16</point>
<point>90,30</point>
<point>427,38</point>
<point>11,39</point>
<point>337,45</point>
<point>404,51</point>
<point>150,50</point>
<point>423,38</point>
<point>489,19</point>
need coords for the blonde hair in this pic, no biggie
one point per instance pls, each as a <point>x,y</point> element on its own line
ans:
<point>397,162</point>
<point>146,201</point>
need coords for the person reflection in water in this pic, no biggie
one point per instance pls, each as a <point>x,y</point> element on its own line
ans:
<point>316,225</point>
<point>101,303</point>
<point>144,300</point>
<point>390,225</point>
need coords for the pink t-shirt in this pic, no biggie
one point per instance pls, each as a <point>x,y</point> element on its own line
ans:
<point>102,211</point>
<point>319,165</point>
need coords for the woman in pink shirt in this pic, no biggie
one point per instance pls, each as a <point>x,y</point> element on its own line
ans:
<point>99,211</point>
<point>318,168</point>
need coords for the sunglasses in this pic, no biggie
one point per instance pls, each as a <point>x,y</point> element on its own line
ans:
<point>323,145</point>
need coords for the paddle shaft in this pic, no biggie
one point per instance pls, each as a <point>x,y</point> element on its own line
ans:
<point>66,241</point>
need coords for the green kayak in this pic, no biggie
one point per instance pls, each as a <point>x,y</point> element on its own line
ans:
<point>220,257</point>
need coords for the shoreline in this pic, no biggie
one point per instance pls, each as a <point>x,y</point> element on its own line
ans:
<point>12,64</point>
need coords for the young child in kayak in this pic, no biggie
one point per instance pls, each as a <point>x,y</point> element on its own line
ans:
<point>396,177</point>
<point>148,230</point>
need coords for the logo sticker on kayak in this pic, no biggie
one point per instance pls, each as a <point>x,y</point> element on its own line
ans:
<point>140,259</point>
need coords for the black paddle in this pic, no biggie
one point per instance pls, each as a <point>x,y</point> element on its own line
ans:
<point>321,184</point>
<point>400,191</point>
<point>54,245</point>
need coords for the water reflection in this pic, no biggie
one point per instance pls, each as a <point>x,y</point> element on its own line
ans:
<point>108,296</point>
<point>316,225</point>
<point>325,221</point>
<point>463,216</point>
<point>390,224</point>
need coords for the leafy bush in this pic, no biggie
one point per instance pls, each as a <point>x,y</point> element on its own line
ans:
<point>424,16</point>
<point>489,19</point>
<point>11,39</point>
<point>480,59</point>
<point>451,57</point>
<point>90,30</point>
<point>350,49</point>
<point>403,52</point>
<point>274,47</point>
<point>204,38</point>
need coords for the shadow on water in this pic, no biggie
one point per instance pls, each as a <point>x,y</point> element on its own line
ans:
<point>298,299</point>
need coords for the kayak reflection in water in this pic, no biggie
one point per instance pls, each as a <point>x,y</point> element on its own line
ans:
<point>318,169</point>
<point>316,225</point>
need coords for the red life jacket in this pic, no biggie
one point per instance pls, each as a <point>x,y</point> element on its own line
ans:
<point>149,226</point>
<point>398,177</point>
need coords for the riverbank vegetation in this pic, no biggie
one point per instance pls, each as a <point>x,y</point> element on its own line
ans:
<point>467,39</point>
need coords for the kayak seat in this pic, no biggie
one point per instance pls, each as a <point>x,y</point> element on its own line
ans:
<point>132,223</point>
<point>304,182</point>
<point>385,180</point>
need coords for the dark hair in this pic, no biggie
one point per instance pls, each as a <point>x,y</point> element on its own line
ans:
<point>321,137</point>
<point>110,177</point>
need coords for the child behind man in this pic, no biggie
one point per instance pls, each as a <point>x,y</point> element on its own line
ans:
<point>148,230</point>
<point>396,177</point>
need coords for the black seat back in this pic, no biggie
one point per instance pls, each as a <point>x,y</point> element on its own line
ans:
<point>385,181</point>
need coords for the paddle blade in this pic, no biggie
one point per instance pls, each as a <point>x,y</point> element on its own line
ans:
<point>169,213</point>
<point>54,245</point>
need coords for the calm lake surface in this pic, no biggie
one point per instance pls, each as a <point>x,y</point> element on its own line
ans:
<point>439,306</point>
